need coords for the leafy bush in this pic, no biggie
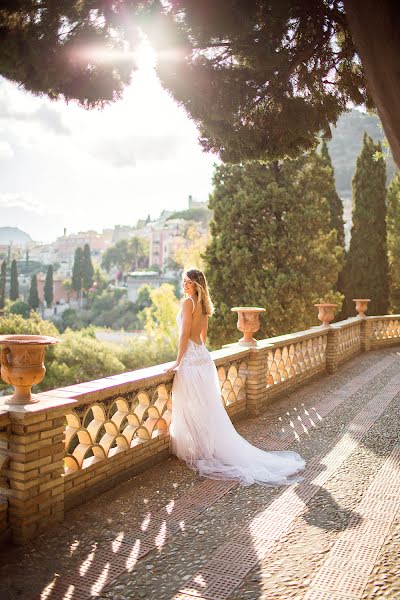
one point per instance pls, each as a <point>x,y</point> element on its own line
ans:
<point>81,357</point>
<point>18,307</point>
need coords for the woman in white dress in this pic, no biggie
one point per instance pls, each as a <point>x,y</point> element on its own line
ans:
<point>201,432</point>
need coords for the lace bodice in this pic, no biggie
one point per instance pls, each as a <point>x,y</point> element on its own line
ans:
<point>195,355</point>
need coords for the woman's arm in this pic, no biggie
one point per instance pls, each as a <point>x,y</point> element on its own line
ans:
<point>203,333</point>
<point>186,327</point>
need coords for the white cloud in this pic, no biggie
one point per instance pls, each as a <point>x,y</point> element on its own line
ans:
<point>93,169</point>
<point>5,150</point>
<point>44,115</point>
<point>12,200</point>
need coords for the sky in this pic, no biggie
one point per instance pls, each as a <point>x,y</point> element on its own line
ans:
<point>64,166</point>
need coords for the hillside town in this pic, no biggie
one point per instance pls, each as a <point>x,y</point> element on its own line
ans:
<point>163,239</point>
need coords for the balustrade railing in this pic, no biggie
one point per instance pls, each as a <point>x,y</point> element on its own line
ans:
<point>385,329</point>
<point>80,440</point>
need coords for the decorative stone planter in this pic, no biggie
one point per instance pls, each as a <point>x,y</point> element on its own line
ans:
<point>22,364</point>
<point>361,306</point>
<point>325,313</point>
<point>248,323</point>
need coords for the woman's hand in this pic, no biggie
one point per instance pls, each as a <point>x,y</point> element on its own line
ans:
<point>172,367</point>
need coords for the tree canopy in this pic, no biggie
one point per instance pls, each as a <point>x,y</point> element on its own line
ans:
<point>261,79</point>
<point>393,241</point>
<point>366,270</point>
<point>14,285</point>
<point>49,286</point>
<point>272,244</point>
<point>60,48</point>
<point>127,255</point>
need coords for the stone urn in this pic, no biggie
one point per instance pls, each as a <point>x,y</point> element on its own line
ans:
<point>248,323</point>
<point>325,313</point>
<point>361,306</point>
<point>22,364</point>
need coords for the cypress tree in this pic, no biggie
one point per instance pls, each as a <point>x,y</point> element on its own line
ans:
<point>393,241</point>
<point>87,268</point>
<point>263,251</point>
<point>14,287</point>
<point>335,203</point>
<point>366,269</point>
<point>48,287</point>
<point>33,300</point>
<point>3,280</point>
<point>77,271</point>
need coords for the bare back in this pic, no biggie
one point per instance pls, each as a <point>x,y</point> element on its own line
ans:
<point>198,330</point>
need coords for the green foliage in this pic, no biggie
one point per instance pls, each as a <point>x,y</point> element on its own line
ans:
<point>161,316</point>
<point>80,357</point>
<point>34,325</point>
<point>77,271</point>
<point>72,320</point>
<point>146,351</point>
<point>143,299</point>
<point>87,268</point>
<point>49,287</point>
<point>271,244</point>
<point>202,215</point>
<point>3,281</point>
<point>246,72</point>
<point>393,241</point>
<point>256,77</point>
<point>33,299</point>
<point>366,269</point>
<point>345,146</point>
<point>14,287</point>
<point>335,203</point>
<point>126,255</point>
<point>18,307</point>
<point>50,48</point>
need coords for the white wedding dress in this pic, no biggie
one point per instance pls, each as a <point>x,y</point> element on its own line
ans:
<point>202,433</point>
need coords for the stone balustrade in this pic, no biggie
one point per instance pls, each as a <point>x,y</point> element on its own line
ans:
<point>80,440</point>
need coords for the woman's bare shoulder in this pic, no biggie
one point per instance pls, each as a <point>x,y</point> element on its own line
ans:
<point>187,305</point>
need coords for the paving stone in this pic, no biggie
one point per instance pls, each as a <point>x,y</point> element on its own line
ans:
<point>151,537</point>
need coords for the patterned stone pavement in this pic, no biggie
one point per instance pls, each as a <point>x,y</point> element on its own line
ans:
<point>169,535</point>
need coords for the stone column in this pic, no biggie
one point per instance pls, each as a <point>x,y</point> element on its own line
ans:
<point>332,349</point>
<point>256,381</point>
<point>35,469</point>
<point>366,327</point>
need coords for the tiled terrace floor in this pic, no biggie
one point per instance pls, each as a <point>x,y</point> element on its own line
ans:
<point>167,534</point>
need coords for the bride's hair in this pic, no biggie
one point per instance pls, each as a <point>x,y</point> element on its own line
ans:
<point>203,295</point>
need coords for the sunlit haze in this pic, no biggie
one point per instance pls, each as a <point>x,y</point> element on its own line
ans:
<point>64,166</point>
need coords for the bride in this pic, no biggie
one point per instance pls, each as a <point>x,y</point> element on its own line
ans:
<point>201,431</point>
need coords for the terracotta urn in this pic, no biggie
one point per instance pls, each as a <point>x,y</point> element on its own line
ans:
<point>22,364</point>
<point>248,323</point>
<point>326,313</point>
<point>361,306</point>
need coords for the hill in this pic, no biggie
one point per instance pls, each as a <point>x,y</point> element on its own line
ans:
<point>345,146</point>
<point>13,235</point>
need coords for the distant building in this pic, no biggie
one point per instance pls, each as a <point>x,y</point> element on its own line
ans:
<point>163,241</point>
<point>195,203</point>
<point>61,295</point>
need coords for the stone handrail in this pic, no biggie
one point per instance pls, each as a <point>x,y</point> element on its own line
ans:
<point>80,440</point>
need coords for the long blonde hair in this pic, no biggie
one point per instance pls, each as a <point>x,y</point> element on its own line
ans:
<point>203,294</point>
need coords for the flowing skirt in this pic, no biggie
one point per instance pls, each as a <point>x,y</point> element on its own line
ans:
<point>203,436</point>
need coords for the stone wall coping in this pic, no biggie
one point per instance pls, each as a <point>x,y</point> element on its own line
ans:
<point>100,389</point>
<point>347,322</point>
<point>48,404</point>
<point>382,317</point>
<point>231,352</point>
